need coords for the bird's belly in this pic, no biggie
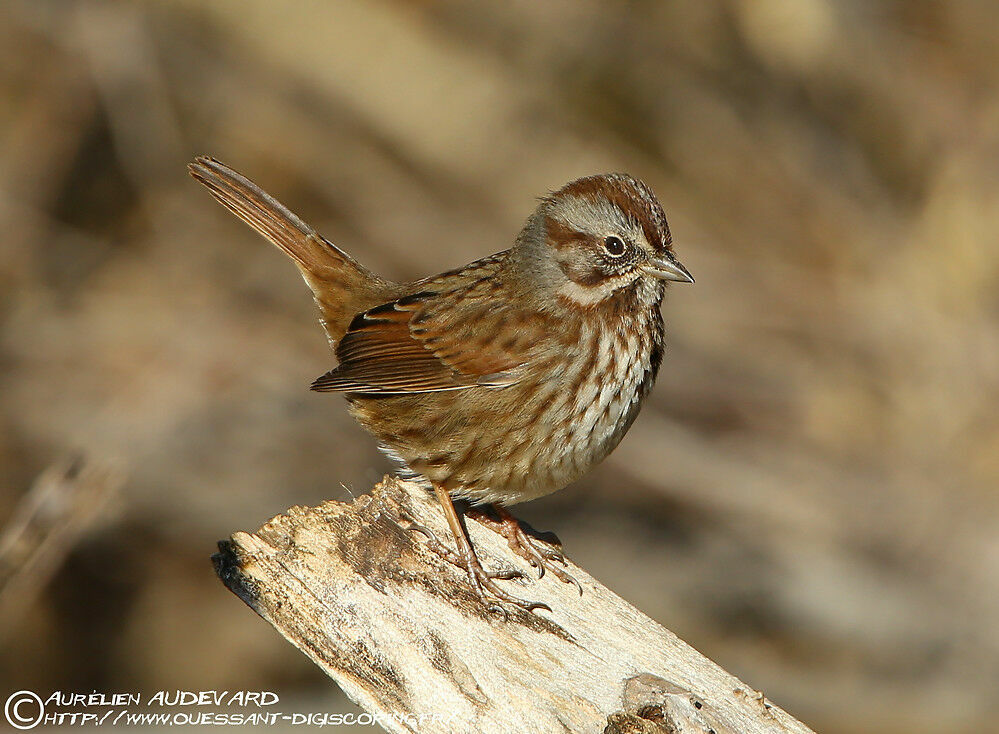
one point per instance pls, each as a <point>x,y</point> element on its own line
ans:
<point>523,441</point>
<point>596,424</point>
<point>585,415</point>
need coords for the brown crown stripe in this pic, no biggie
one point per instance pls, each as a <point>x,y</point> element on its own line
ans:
<point>630,196</point>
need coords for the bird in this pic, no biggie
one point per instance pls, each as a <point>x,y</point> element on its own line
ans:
<point>504,380</point>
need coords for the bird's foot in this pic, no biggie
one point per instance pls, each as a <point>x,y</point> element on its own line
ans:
<point>542,556</point>
<point>489,591</point>
<point>483,581</point>
<point>435,544</point>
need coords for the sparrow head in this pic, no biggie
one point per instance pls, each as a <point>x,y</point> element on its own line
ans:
<point>604,233</point>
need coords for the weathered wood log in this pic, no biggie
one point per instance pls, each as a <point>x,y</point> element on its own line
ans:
<point>400,629</point>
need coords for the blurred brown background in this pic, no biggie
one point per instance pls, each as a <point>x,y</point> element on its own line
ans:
<point>810,497</point>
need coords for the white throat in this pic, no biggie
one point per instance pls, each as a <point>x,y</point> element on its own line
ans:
<point>588,295</point>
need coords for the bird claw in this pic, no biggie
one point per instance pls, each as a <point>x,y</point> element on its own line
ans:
<point>481,579</point>
<point>482,582</point>
<point>538,554</point>
<point>433,542</point>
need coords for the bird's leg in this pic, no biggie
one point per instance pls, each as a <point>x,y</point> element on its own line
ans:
<point>435,544</point>
<point>539,554</point>
<point>481,580</point>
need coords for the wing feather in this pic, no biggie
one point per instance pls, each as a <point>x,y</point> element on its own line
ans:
<point>432,341</point>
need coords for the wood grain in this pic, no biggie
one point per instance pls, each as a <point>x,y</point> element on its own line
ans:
<point>403,634</point>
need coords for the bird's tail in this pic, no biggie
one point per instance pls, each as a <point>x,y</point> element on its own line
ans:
<point>342,287</point>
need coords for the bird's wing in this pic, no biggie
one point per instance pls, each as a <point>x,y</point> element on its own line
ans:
<point>432,341</point>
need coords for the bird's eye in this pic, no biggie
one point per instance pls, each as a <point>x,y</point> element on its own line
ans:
<point>614,246</point>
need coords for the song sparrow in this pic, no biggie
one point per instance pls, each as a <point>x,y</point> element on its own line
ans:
<point>506,379</point>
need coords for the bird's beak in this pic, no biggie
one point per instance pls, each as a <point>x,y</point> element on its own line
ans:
<point>667,267</point>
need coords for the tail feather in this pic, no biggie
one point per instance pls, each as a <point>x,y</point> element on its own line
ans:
<point>342,287</point>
